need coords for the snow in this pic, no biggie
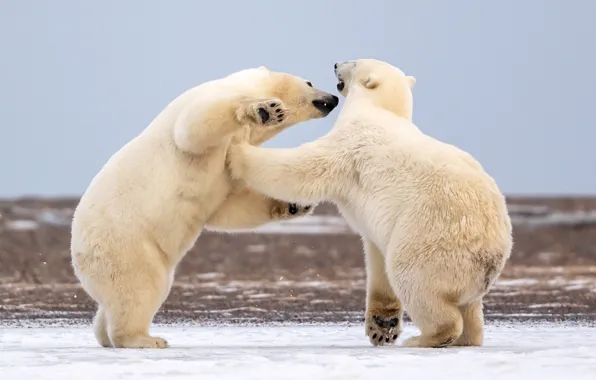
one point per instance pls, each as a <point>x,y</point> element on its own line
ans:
<point>521,215</point>
<point>308,225</point>
<point>22,225</point>
<point>333,352</point>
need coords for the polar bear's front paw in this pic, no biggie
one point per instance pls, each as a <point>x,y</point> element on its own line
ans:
<point>383,326</point>
<point>283,210</point>
<point>269,112</point>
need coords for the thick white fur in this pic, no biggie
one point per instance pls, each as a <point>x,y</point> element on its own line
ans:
<point>434,224</point>
<point>147,206</point>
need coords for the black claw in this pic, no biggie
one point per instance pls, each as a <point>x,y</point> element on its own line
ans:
<point>374,336</point>
<point>306,208</point>
<point>394,337</point>
<point>292,208</point>
<point>273,105</point>
<point>387,340</point>
<point>263,114</point>
<point>380,339</point>
<point>278,110</point>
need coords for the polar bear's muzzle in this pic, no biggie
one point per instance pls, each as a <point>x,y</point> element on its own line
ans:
<point>326,103</point>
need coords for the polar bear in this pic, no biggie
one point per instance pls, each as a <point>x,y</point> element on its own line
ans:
<point>147,206</point>
<point>435,227</point>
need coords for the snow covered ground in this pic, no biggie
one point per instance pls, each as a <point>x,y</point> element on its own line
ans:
<point>511,351</point>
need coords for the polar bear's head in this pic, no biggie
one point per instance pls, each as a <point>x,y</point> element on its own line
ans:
<point>390,88</point>
<point>301,98</point>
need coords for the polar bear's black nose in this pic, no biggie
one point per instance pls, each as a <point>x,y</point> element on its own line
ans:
<point>326,104</point>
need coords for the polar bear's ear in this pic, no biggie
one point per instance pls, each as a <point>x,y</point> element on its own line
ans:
<point>371,82</point>
<point>411,81</point>
<point>263,68</point>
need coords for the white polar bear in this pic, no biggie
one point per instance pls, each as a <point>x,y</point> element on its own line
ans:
<point>147,206</point>
<point>435,226</point>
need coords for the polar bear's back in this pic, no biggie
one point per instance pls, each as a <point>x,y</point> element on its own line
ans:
<point>142,192</point>
<point>418,184</point>
<point>118,189</point>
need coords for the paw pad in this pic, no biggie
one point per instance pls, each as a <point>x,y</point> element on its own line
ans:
<point>280,116</point>
<point>386,323</point>
<point>263,114</point>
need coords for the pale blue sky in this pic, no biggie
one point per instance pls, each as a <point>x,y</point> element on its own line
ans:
<point>512,82</point>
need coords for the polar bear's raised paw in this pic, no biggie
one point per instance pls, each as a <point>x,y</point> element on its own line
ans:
<point>269,112</point>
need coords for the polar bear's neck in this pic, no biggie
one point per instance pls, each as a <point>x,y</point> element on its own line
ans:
<point>400,104</point>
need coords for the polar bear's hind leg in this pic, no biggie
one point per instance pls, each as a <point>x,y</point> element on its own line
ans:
<point>473,316</point>
<point>100,328</point>
<point>129,320</point>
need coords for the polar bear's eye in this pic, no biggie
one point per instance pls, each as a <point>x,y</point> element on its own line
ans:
<point>309,84</point>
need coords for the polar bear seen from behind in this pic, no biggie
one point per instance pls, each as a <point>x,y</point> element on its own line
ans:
<point>147,206</point>
<point>434,224</point>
